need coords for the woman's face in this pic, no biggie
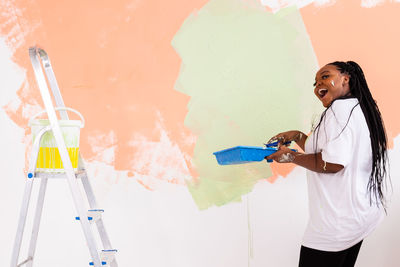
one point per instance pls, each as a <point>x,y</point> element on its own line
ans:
<point>330,84</point>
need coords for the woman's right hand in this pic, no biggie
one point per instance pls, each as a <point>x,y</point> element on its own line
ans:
<point>285,137</point>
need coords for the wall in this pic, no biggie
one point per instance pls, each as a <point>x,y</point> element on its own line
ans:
<point>162,85</point>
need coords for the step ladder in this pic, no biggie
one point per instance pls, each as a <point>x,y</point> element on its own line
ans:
<point>86,217</point>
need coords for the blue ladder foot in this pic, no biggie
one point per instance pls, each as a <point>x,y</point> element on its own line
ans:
<point>102,263</point>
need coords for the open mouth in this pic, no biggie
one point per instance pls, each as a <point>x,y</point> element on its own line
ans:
<point>322,92</point>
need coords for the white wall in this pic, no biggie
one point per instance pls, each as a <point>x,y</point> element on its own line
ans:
<point>164,227</point>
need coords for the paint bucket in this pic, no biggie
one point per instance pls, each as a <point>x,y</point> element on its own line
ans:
<point>49,159</point>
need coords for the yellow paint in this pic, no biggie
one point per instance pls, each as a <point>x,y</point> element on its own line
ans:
<point>49,158</point>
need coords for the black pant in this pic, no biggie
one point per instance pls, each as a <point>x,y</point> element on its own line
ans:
<point>317,258</point>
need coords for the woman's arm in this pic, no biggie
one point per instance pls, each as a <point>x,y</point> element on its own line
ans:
<point>312,162</point>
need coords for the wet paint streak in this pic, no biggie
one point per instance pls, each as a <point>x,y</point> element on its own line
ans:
<point>246,71</point>
<point>250,252</point>
<point>119,74</point>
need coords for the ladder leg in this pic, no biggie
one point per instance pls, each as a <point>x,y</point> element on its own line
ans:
<point>21,222</point>
<point>79,205</point>
<point>105,240</point>
<point>93,205</point>
<point>36,222</point>
<point>99,223</point>
<point>89,191</point>
<point>26,199</point>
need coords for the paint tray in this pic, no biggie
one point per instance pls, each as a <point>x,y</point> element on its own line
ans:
<point>243,154</point>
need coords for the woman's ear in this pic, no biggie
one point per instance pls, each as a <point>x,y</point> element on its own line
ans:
<point>346,79</point>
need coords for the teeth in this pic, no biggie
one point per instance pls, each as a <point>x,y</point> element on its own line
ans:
<point>322,91</point>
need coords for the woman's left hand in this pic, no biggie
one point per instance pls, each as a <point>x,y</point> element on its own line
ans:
<point>283,155</point>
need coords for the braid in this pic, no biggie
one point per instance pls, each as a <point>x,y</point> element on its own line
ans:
<point>359,88</point>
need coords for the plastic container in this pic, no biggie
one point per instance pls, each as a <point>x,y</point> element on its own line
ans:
<point>49,159</point>
<point>243,154</point>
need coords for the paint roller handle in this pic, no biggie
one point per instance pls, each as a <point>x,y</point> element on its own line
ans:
<point>284,137</point>
<point>275,144</point>
<point>60,108</point>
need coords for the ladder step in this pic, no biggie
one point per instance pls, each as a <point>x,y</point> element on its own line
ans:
<point>56,175</point>
<point>102,263</point>
<point>93,215</point>
<point>106,256</point>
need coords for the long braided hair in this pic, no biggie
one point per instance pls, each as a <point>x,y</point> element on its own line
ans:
<point>359,89</point>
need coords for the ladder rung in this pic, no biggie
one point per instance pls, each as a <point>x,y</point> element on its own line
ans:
<point>102,263</point>
<point>79,218</point>
<point>106,255</point>
<point>58,175</point>
<point>93,215</point>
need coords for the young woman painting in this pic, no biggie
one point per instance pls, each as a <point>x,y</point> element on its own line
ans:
<point>345,157</point>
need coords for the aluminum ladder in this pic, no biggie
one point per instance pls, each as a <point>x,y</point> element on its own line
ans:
<point>88,212</point>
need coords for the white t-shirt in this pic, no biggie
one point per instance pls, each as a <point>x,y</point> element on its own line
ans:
<point>339,203</point>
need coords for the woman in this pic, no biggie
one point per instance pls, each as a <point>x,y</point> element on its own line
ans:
<point>345,157</point>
